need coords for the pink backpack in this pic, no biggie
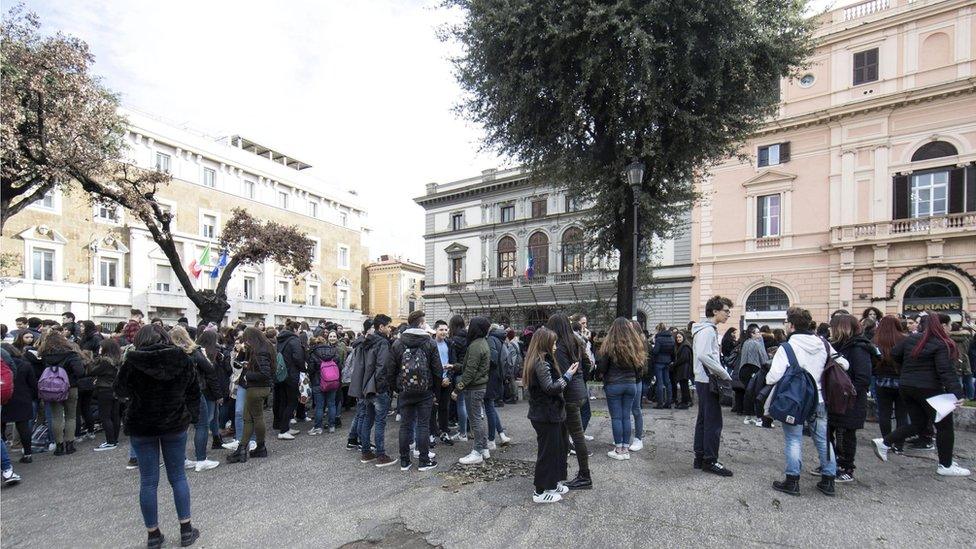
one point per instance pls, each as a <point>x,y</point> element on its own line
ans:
<point>53,385</point>
<point>330,378</point>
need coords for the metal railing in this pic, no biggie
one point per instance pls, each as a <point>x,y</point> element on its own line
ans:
<point>952,223</point>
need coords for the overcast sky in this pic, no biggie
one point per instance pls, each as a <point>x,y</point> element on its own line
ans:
<point>361,89</point>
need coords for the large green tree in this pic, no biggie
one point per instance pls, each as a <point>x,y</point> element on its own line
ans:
<point>577,89</point>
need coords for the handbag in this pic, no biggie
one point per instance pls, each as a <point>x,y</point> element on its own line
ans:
<point>719,386</point>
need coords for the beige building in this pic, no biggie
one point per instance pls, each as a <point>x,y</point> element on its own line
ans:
<point>394,287</point>
<point>862,191</point>
<point>99,262</point>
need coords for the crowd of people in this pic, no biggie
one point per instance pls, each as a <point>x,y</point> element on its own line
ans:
<point>444,382</point>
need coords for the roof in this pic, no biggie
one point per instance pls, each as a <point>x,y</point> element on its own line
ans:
<point>251,146</point>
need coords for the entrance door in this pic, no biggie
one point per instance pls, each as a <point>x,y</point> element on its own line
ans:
<point>935,294</point>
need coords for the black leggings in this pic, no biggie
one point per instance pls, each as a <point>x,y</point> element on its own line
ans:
<point>22,432</point>
<point>574,429</point>
<point>550,462</point>
<point>921,414</point>
<point>285,402</point>
<point>84,412</point>
<point>888,399</point>
<point>108,408</point>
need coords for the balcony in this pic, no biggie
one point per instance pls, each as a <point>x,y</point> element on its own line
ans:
<point>905,229</point>
<point>167,300</point>
<point>543,279</point>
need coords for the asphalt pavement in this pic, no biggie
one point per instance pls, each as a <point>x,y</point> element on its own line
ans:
<point>313,492</point>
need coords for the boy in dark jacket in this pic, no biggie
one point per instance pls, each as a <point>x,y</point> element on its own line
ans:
<point>416,364</point>
<point>286,392</point>
<point>376,392</point>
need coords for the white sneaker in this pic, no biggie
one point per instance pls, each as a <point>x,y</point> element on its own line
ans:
<point>189,464</point>
<point>637,445</point>
<point>232,445</point>
<point>459,437</point>
<point>416,454</point>
<point>314,431</point>
<point>474,458</point>
<point>252,446</point>
<point>10,477</point>
<point>560,489</point>
<point>486,454</point>
<point>587,437</point>
<point>546,497</point>
<point>293,421</point>
<point>206,465</point>
<point>293,432</point>
<point>504,438</point>
<point>398,417</point>
<point>619,456</point>
<point>492,445</point>
<point>286,436</point>
<point>953,470</point>
<point>880,449</point>
<point>747,421</point>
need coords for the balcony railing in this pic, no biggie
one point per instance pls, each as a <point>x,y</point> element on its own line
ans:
<point>543,279</point>
<point>921,226</point>
<point>767,242</point>
<point>865,8</point>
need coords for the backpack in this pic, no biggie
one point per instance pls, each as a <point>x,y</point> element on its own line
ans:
<point>414,375</point>
<point>838,390</point>
<point>795,399</point>
<point>329,377</point>
<point>513,360</point>
<point>6,382</point>
<point>53,385</point>
<point>281,369</point>
<point>351,359</point>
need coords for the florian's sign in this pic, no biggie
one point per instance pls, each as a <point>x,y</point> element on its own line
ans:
<point>946,304</point>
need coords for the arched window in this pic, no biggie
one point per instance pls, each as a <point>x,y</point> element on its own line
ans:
<point>932,287</point>
<point>935,149</point>
<point>506,257</point>
<point>539,253</point>
<point>572,250</point>
<point>767,298</point>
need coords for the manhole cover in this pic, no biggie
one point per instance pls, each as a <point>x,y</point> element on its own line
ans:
<point>490,471</point>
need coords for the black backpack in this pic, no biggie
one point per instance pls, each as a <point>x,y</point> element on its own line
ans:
<point>414,375</point>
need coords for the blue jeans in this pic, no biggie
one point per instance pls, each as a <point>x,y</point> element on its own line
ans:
<point>201,431</point>
<point>374,419</point>
<point>585,412</point>
<point>239,413</point>
<point>793,448</point>
<point>357,419</point>
<point>663,384</point>
<point>968,386</point>
<point>620,402</point>
<point>321,400</point>
<point>494,422</point>
<point>637,412</point>
<point>147,449</point>
<point>5,456</point>
<point>462,413</point>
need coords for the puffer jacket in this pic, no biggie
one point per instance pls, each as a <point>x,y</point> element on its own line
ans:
<point>568,352</point>
<point>378,371</point>
<point>931,369</point>
<point>71,361</point>
<point>663,351</point>
<point>290,347</point>
<point>259,370</point>
<point>206,375</point>
<point>546,387</point>
<point>459,346</point>
<point>316,356</point>
<point>496,376</point>
<point>419,341</point>
<point>477,362</point>
<point>161,385</point>
<point>963,340</point>
<point>104,370</point>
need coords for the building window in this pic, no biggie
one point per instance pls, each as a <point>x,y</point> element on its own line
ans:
<point>313,209</point>
<point>507,213</point>
<point>342,298</point>
<point>107,213</point>
<point>164,278</point>
<point>457,270</point>
<point>43,264</point>
<point>934,149</point>
<point>283,200</point>
<point>208,226</point>
<point>249,189</point>
<point>313,295</point>
<point>772,155</point>
<point>929,194</point>
<point>539,253</point>
<point>768,209</point>
<point>344,219</point>
<point>163,162</point>
<point>209,178</point>
<point>411,306</point>
<point>538,208</point>
<point>108,271</point>
<point>250,284</point>
<point>506,257</point>
<point>865,66</point>
<point>572,204</point>
<point>284,293</point>
<point>572,250</point>
<point>47,201</point>
<point>457,221</point>
<point>343,257</point>
<point>767,298</point>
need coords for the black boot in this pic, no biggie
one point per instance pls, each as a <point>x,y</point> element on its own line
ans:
<point>789,486</point>
<point>188,534</point>
<point>581,482</point>
<point>69,447</point>
<point>217,443</point>
<point>59,449</point>
<point>239,455</point>
<point>259,451</point>
<point>156,539</point>
<point>826,485</point>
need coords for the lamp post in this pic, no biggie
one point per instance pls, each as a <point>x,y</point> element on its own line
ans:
<point>635,176</point>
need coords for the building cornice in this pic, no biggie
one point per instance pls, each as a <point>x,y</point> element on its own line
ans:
<point>478,187</point>
<point>838,32</point>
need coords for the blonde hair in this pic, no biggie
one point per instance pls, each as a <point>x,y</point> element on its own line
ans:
<point>181,339</point>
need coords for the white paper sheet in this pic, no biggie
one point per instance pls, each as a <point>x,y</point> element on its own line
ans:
<point>944,404</point>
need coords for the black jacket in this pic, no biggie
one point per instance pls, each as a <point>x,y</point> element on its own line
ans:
<point>316,356</point>
<point>496,376</point>
<point>259,371</point>
<point>858,353</point>
<point>290,347</point>
<point>104,371</point>
<point>378,372</point>
<point>459,346</point>
<point>663,351</point>
<point>684,369</point>
<point>932,369</point>
<point>566,354</point>
<point>20,407</point>
<point>224,370</point>
<point>71,361</point>
<point>546,386</point>
<point>161,385</point>
<point>206,375</point>
<point>91,343</point>
<point>415,338</point>
<point>615,374</point>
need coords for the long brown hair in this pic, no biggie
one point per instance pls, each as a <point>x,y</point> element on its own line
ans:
<point>888,334</point>
<point>539,347</point>
<point>844,328</point>
<point>55,342</point>
<point>623,346</point>
<point>257,343</point>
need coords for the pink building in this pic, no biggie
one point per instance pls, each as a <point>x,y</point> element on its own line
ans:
<point>862,191</point>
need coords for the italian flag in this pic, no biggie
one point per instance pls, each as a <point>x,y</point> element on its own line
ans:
<point>196,267</point>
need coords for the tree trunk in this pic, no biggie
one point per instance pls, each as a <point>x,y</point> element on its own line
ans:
<point>212,308</point>
<point>625,251</point>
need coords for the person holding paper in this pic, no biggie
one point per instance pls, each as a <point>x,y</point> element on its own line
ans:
<point>927,370</point>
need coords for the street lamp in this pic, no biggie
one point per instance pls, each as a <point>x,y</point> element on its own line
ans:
<point>635,176</point>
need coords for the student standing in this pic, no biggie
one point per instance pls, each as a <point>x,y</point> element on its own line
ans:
<point>708,362</point>
<point>622,356</point>
<point>569,351</point>
<point>256,381</point>
<point>104,370</point>
<point>842,428</point>
<point>473,381</point>
<point>416,367</point>
<point>886,373</point>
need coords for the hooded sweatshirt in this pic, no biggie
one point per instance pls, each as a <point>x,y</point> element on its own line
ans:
<point>811,356</point>
<point>162,386</point>
<point>707,356</point>
<point>416,339</point>
<point>377,377</point>
<point>355,389</point>
<point>290,347</point>
<point>70,360</point>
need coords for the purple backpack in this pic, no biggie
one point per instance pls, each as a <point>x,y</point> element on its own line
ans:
<point>53,385</point>
<point>330,378</point>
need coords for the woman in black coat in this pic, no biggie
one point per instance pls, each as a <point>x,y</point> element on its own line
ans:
<point>19,410</point>
<point>457,338</point>
<point>684,370</point>
<point>570,351</point>
<point>842,428</point>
